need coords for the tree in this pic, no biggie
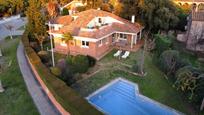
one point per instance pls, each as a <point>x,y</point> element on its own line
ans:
<point>149,13</point>
<point>67,37</point>
<point>10,28</point>
<point>190,80</point>
<point>36,21</point>
<point>142,61</point>
<point>92,3</point>
<point>40,39</point>
<point>162,43</point>
<point>186,81</point>
<point>65,11</point>
<point>52,9</point>
<point>117,6</point>
<point>168,61</point>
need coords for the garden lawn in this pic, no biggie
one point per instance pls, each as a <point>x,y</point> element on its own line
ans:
<point>154,85</point>
<point>16,99</point>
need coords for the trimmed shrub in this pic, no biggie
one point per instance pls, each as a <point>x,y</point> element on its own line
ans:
<point>56,71</point>
<point>25,40</point>
<point>32,55</point>
<point>44,56</point>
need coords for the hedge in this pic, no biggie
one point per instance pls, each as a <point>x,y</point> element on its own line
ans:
<point>66,96</point>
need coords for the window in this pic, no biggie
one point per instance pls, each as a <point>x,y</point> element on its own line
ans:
<point>105,40</point>
<point>123,36</point>
<point>85,44</point>
<point>99,20</point>
<point>63,43</point>
<point>100,43</point>
<point>113,37</point>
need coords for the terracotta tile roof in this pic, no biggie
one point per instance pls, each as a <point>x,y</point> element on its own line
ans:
<point>64,20</point>
<point>83,18</point>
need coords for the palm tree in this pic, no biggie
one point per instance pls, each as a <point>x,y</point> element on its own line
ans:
<point>67,37</point>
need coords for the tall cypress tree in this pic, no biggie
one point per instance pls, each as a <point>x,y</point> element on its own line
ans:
<point>36,20</point>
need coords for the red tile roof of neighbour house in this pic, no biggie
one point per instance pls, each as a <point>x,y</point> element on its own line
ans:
<point>83,18</point>
<point>64,20</point>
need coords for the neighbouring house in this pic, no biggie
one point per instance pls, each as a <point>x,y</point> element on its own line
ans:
<point>95,33</point>
<point>194,36</point>
<point>72,6</point>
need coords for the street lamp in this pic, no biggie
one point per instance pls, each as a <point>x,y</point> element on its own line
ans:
<point>53,59</point>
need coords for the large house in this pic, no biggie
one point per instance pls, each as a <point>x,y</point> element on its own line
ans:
<point>95,32</point>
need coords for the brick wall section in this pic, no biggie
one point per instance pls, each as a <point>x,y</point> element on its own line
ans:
<point>46,90</point>
<point>94,50</point>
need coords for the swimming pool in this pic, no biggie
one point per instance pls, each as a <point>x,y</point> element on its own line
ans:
<point>122,97</point>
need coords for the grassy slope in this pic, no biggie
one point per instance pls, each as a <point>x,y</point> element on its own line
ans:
<point>154,85</point>
<point>16,99</point>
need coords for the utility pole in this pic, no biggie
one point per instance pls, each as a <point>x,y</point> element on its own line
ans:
<point>53,59</point>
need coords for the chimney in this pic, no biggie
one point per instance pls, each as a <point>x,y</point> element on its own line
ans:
<point>133,19</point>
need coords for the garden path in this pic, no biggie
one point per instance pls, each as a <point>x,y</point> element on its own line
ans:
<point>45,107</point>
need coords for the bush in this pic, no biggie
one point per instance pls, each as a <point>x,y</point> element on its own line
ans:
<point>44,56</point>
<point>65,11</point>
<point>168,61</point>
<point>92,61</point>
<point>68,76</point>
<point>35,46</point>
<point>61,64</point>
<point>190,80</point>
<point>25,40</point>
<point>32,55</point>
<point>162,43</point>
<point>55,71</point>
<point>78,64</point>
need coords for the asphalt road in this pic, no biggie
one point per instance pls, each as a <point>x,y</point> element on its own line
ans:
<point>16,23</point>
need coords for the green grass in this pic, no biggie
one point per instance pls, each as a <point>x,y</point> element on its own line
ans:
<point>16,99</point>
<point>154,85</point>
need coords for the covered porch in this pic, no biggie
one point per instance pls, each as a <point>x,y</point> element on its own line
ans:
<point>134,48</point>
<point>127,41</point>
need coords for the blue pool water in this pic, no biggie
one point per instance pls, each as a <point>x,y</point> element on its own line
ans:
<point>122,98</point>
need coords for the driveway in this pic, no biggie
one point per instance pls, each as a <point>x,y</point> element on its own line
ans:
<point>16,23</point>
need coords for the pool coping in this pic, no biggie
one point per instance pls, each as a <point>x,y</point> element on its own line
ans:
<point>136,93</point>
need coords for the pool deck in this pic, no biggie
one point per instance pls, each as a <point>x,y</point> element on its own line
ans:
<point>136,93</point>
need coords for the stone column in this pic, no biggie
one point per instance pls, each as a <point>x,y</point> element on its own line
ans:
<point>1,87</point>
<point>140,34</point>
<point>0,53</point>
<point>136,39</point>
<point>132,41</point>
<point>202,105</point>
